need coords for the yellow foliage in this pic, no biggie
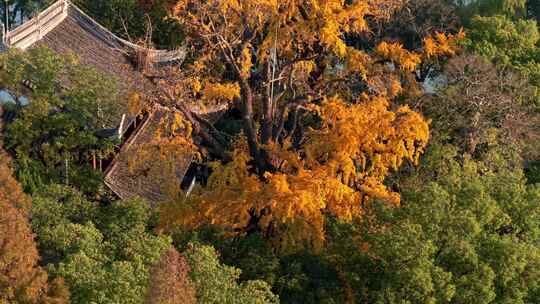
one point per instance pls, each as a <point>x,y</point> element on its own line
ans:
<point>341,168</point>
<point>395,88</point>
<point>330,36</point>
<point>245,62</point>
<point>195,84</point>
<point>329,21</point>
<point>395,52</point>
<point>357,61</point>
<point>442,44</point>
<point>304,67</point>
<point>221,91</point>
<point>169,146</point>
<point>340,165</point>
<point>135,104</point>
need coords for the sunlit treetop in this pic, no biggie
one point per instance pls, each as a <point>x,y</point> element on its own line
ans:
<point>320,131</point>
<point>335,172</point>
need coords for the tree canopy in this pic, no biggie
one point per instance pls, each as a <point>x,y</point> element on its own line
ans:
<point>379,151</point>
<point>217,283</point>
<point>54,136</point>
<point>319,134</point>
<point>104,253</point>
<point>472,232</point>
<point>22,280</point>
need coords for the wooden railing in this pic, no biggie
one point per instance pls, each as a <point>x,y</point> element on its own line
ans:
<point>34,29</point>
<point>156,56</point>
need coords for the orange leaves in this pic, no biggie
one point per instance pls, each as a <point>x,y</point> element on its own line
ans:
<point>23,280</point>
<point>330,36</point>
<point>395,52</point>
<point>356,14</point>
<point>373,188</point>
<point>208,90</point>
<point>442,44</point>
<point>342,166</point>
<point>363,142</point>
<point>304,67</point>
<point>245,62</point>
<point>291,25</point>
<point>226,202</point>
<point>430,47</point>
<point>336,19</point>
<point>195,84</point>
<point>294,201</point>
<point>357,61</point>
<point>179,7</point>
<point>335,158</point>
<point>342,200</point>
<point>408,61</point>
<point>221,91</point>
<point>395,88</point>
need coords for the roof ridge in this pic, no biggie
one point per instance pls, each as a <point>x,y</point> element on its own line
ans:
<point>32,31</point>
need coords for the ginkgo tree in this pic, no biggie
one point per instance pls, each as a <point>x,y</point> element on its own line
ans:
<point>320,132</point>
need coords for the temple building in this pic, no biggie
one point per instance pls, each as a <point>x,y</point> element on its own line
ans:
<point>66,29</point>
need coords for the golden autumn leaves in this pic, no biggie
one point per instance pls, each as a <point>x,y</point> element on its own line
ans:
<point>343,166</point>
<point>440,45</point>
<point>283,185</point>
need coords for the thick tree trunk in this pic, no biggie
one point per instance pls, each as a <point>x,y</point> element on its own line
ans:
<point>267,122</point>
<point>215,146</point>
<point>249,127</point>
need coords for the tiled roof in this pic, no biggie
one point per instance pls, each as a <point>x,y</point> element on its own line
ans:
<point>128,182</point>
<point>65,29</point>
<point>78,36</point>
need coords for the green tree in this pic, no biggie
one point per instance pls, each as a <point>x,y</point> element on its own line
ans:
<point>22,280</point>
<point>217,283</point>
<point>303,277</point>
<point>470,233</point>
<point>53,137</point>
<point>103,252</point>
<point>514,9</point>
<point>510,44</point>
<point>504,40</point>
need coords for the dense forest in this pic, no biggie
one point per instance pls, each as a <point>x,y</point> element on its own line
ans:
<point>383,151</point>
